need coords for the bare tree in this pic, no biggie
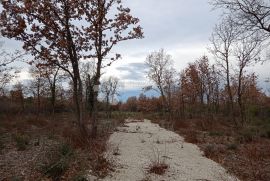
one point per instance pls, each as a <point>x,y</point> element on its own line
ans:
<point>251,15</point>
<point>53,76</point>
<point>170,89</point>
<point>37,85</point>
<point>223,37</point>
<point>17,95</point>
<point>209,82</point>
<point>87,73</point>
<point>7,72</point>
<point>161,73</point>
<point>110,89</point>
<point>246,52</point>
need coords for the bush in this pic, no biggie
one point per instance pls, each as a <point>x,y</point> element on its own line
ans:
<point>80,178</point>
<point>16,178</point>
<point>102,166</point>
<point>268,134</point>
<point>2,145</point>
<point>158,168</point>
<point>158,163</point>
<point>66,150</point>
<point>232,146</point>
<point>247,135</point>
<point>209,150</point>
<point>21,141</point>
<point>216,133</point>
<point>58,161</point>
<point>191,136</point>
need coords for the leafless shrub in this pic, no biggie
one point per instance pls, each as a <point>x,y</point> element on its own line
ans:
<point>58,161</point>
<point>102,166</point>
<point>209,150</point>
<point>191,136</point>
<point>114,149</point>
<point>146,178</point>
<point>158,141</point>
<point>22,141</point>
<point>142,139</point>
<point>158,163</point>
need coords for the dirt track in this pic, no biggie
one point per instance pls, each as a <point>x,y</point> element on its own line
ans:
<point>136,145</point>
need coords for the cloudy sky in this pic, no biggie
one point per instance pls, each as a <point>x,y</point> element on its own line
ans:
<point>181,27</point>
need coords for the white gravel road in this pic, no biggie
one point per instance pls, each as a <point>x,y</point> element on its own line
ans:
<point>136,145</point>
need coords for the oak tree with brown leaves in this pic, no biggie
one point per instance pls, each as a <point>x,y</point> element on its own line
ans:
<point>106,31</point>
<point>63,32</point>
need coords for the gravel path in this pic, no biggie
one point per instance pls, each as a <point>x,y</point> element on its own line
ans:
<point>136,145</point>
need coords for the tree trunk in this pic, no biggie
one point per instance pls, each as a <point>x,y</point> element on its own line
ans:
<point>94,116</point>
<point>78,98</point>
<point>53,90</point>
<point>98,46</point>
<point>107,106</point>
<point>95,99</point>
<point>240,103</point>
<point>53,98</point>
<point>231,107</point>
<point>38,98</point>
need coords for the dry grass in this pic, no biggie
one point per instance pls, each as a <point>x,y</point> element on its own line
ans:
<point>158,168</point>
<point>158,163</point>
<point>243,152</point>
<point>28,142</point>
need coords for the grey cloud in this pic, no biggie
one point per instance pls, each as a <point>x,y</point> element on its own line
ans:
<point>139,55</point>
<point>170,22</point>
<point>133,71</point>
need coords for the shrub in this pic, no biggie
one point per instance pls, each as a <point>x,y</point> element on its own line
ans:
<point>158,163</point>
<point>158,141</point>
<point>116,151</point>
<point>215,133</point>
<point>158,168</point>
<point>58,161</point>
<point>66,150</point>
<point>146,178</point>
<point>268,134</point>
<point>191,136</point>
<point>209,150</point>
<point>21,141</point>
<point>246,136</point>
<point>214,150</point>
<point>2,145</point>
<point>232,146</point>
<point>16,178</point>
<point>102,166</point>
<point>80,177</point>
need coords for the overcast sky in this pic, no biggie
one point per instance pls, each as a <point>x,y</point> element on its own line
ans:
<point>181,27</point>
